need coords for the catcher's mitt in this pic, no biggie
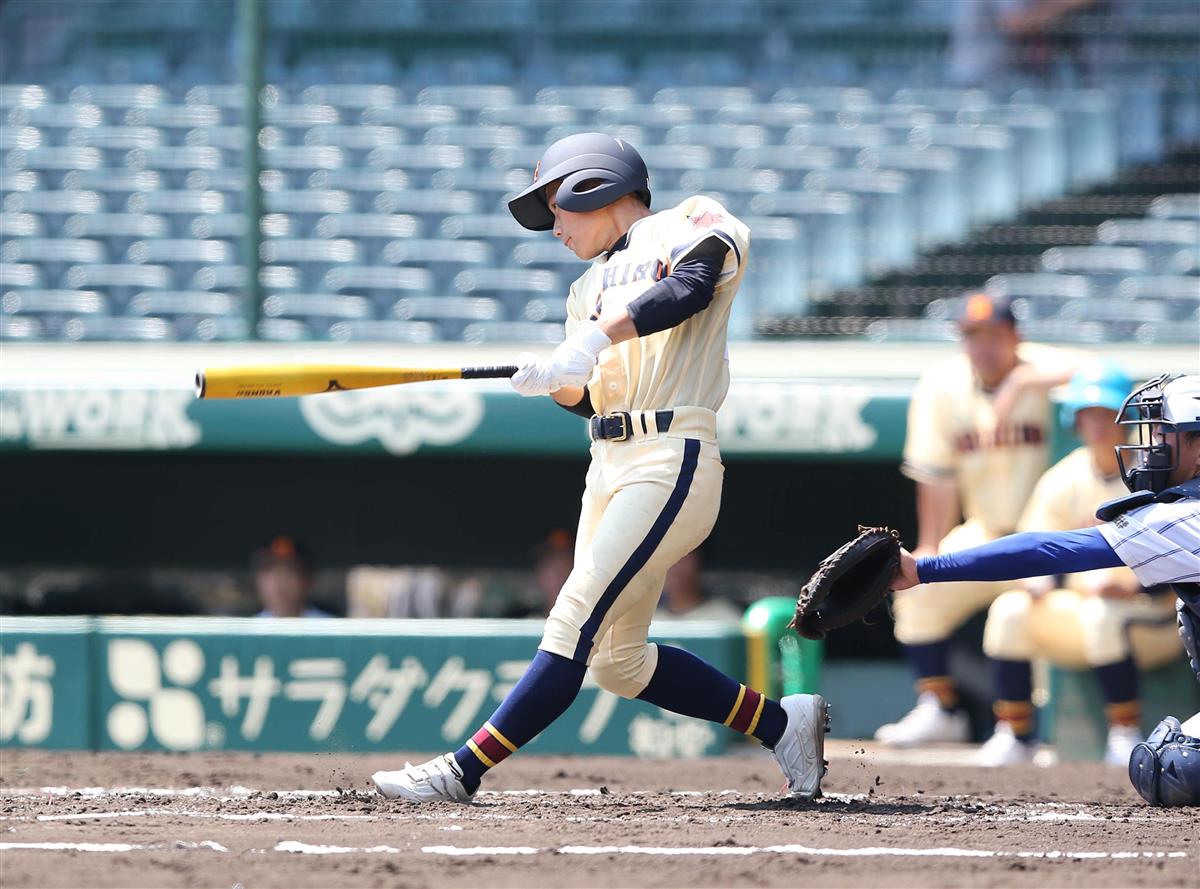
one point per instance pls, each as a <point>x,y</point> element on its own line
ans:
<point>848,583</point>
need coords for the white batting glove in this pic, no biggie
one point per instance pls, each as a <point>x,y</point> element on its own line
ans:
<point>576,356</point>
<point>533,376</point>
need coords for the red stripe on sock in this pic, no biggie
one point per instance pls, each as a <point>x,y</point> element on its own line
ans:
<point>745,713</point>
<point>493,749</point>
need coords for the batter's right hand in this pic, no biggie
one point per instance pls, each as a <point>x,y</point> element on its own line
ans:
<point>533,376</point>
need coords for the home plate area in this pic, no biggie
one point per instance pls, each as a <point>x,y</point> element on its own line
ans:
<point>71,819</point>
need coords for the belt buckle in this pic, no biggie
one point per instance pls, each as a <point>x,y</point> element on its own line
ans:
<point>624,417</point>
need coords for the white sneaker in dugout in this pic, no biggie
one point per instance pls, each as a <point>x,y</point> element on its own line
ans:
<point>1121,741</point>
<point>801,749</point>
<point>439,780</point>
<point>1004,749</point>
<point>926,723</point>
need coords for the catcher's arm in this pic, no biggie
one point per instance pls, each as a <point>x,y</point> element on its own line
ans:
<point>1029,554</point>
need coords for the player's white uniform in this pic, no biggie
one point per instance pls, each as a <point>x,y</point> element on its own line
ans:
<point>1160,541</point>
<point>1069,626</point>
<point>653,497</point>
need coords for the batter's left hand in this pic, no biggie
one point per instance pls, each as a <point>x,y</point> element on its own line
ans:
<point>576,356</point>
<point>533,377</point>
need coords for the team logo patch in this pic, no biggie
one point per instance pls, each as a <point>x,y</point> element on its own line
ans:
<point>707,219</point>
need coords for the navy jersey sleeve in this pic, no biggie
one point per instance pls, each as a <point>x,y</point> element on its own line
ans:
<point>688,289</point>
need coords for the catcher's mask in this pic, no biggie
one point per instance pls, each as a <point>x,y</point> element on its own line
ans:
<point>1161,411</point>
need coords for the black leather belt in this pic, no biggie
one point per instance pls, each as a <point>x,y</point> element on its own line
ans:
<point>621,425</point>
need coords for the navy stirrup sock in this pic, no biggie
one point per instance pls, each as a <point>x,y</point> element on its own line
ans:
<point>688,685</point>
<point>543,694</point>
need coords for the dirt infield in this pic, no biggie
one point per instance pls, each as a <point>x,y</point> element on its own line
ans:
<point>303,821</point>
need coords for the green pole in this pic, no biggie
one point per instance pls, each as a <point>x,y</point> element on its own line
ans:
<point>251,26</point>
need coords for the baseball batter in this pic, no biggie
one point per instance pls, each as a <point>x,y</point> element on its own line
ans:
<point>1103,619</point>
<point>977,442</point>
<point>1154,530</point>
<point>645,360</point>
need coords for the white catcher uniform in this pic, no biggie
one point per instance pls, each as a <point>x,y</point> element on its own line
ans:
<point>654,496</point>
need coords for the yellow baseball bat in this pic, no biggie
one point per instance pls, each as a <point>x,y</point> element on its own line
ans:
<point>287,380</point>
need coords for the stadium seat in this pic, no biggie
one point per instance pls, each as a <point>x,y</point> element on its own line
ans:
<point>548,254</point>
<point>19,137</point>
<point>382,284</point>
<point>415,118</point>
<point>430,205</point>
<point>986,153</point>
<point>1104,265</point>
<point>1160,239</point>
<point>117,230</point>
<point>175,120</point>
<point>125,329</point>
<point>19,275</point>
<point>25,180</point>
<point>119,281</point>
<point>232,226</point>
<point>1039,285</point>
<point>1176,206</point>
<point>468,97</point>
<point>49,252</point>
<point>21,225</point>
<point>835,240</point>
<point>513,332</point>
<point>383,331</point>
<point>942,215</point>
<point>233,277</point>
<point>317,310</point>
<point>370,230</point>
<point>885,200</point>
<point>442,258</point>
<point>450,314</point>
<point>112,187</point>
<point>587,98</point>
<point>351,95</point>
<point>776,282</point>
<point>545,310</point>
<point>15,327</point>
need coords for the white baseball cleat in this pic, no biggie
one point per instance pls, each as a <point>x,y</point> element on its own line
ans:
<point>439,780</point>
<point>926,723</point>
<point>801,749</point>
<point>1003,748</point>
<point>1121,741</point>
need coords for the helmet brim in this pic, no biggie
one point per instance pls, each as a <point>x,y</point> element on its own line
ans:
<point>530,210</point>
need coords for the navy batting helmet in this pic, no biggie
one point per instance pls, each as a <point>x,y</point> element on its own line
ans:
<point>576,160</point>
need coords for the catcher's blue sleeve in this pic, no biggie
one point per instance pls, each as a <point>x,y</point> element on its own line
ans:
<point>1030,554</point>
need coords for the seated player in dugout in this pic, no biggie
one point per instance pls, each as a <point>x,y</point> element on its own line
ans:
<point>284,572</point>
<point>645,361</point>
<point>978,439</point>
<point>685,597</point>
<point>1154,530</point>
<point>1102,620</point>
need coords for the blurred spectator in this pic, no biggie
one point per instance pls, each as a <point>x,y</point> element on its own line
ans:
<point>283,579</point>
<point>994,38</point>
<point>684,595</point>
<point>553,560</point>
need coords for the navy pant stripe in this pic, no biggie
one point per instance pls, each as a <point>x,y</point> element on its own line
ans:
<point>641,555</point>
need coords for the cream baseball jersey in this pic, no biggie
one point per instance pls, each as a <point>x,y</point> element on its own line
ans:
<point>1069,492</point>
<point>953,437</point>
<point>687,364</point>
